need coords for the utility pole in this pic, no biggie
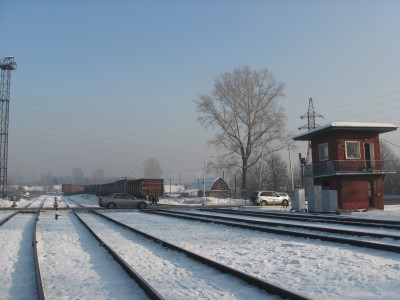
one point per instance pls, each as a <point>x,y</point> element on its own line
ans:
<point>7,65</point>
<point>261,165</point>
<point>204,182</point>
<point>290,168</point>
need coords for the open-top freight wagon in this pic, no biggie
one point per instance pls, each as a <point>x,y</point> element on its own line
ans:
<point>140,188</point>
<point>72,189</point>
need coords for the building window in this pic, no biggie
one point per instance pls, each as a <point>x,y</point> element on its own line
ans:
<point>323,151</point>
<point>353,150</point>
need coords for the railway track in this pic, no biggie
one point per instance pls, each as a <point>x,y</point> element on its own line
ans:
<point>15,211</point>
<point>163,251</point>
<point>39,284</point>
<point>35,262</point>
<point>154,241</point>
<point>89,274</point>
<point>37,290</point>
<point>255,219</point>
<point>149,290</point>
<point>346,221</point>
<point>267,227</point>
<point>305,225</point>
<point>166,247</point>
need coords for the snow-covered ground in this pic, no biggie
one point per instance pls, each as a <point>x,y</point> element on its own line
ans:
<point>73,264</point>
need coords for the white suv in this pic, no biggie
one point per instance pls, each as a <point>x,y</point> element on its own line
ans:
<point>269,197</point>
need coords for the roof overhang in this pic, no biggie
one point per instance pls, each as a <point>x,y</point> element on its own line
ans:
<point>346,126</point>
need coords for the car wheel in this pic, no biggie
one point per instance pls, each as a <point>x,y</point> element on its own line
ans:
<point>111,205</point>
<point>142,205</point>
<point>285,203</point>
<point>263,203</point>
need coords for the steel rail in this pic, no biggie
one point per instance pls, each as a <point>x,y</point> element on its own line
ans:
<point>150,291</point>
<point>364,244</point>
<point>388,224</point>
<point>6,219</point>
<point>39,284</point>
<point>273,289</point>
<point>38,278</point>
<point>18,210</point>
<point>301,226</point>
<point>269,287</point>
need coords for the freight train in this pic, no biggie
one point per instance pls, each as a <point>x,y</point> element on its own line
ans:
<point>140,188</point>
<point>72,189</point>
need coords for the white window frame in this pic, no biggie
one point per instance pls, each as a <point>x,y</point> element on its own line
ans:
<point>323,152</point>
<point>359,150</point>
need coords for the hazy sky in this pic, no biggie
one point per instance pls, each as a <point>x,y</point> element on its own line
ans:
<point>109,84</point>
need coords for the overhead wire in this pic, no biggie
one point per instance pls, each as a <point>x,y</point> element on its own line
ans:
<point>109,123</point>
<point>87,139</point>
<point>78,119</point>
<point>130,154</point>
<point>390,143</point>
<point>356,110</point>
<point>116,128</point>
<point>115,131</point>
<point>360,101</point>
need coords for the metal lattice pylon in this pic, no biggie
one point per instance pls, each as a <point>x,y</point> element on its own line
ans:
<point>7,64</point>
<point>310,115</point>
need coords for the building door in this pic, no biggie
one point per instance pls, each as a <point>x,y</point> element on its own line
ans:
<point>369,156</point>
<point>371,194</point>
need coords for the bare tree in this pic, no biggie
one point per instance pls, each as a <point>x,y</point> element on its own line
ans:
<point>270,174</point>
<point>244,108</point>
<point>98,176</point>
<point>152,168</point>
<point>77,176</point>
<point>48,181</point>
<point>277,173</point>
<point>15,178</point>
<point>392,181</point>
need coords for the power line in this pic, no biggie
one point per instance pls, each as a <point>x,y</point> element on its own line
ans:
<point>390,143</point>
<point>108,123</point>
<point>126,134</point>
<point>100,125</point>
<point>362,101</point>
<point>105,142</point>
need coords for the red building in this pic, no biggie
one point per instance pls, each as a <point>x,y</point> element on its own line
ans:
<point>346,157</point>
